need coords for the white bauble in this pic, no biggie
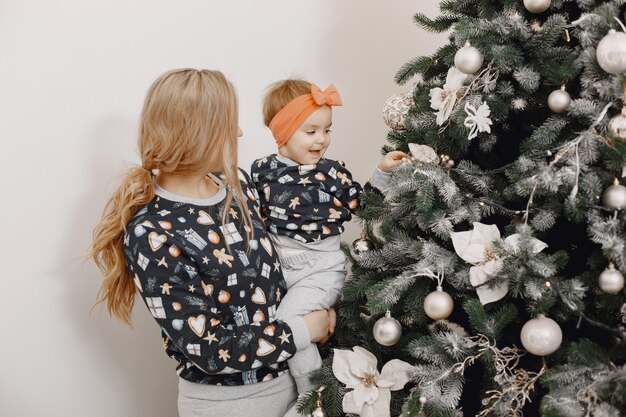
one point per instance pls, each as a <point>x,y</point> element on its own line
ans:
<point>541,336</point>
<point>318,412</point>
<point>387,330</point>
<point>617,127</point>
<point>614,197</point>
<point>611,52</point>
<point>537,6</point>
<point>468,59</point>
<point>361,245</point>
<point>438,305</point>
<point>611,281</point>
<point>559,101</point>
<point>396,109</point>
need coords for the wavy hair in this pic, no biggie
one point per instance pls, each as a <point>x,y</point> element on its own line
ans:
<point>189,125</point>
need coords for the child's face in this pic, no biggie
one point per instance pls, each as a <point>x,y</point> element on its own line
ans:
<point>312,138</point>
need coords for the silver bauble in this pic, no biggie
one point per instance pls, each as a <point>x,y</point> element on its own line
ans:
<point>468,59</point>
<point>614,197</point>
<point>396,109</point>
<point>387,330</point>
<point>617,127</point>
<point>318,412</point>
<point>559,101</point>
<point>541,336</point>
<point>611,281</point>
<point>361,245</point>
<point>438,305</point>
<point>611,52</point>
<point>537,6</point>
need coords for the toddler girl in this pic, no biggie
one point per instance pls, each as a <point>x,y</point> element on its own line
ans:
<point>304,199</point>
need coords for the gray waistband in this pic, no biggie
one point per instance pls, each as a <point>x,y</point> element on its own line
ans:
<point>235,392</point>
<point>287,244</point>
<point>301,258</point>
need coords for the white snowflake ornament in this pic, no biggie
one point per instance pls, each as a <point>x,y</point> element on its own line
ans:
<point>477,120</point>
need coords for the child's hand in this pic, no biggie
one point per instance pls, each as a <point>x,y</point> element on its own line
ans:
<point>392,160</point>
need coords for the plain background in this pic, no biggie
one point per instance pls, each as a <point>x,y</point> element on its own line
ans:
<point>73,75</point>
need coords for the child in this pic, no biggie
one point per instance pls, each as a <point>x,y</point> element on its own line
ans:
<point>305,198</point>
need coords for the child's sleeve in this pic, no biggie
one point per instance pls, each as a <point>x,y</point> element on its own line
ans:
<point>183,303</point>
<point>349,192</point>
<point>380,180</point>
<point>344,188</point>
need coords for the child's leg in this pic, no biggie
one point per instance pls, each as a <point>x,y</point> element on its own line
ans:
<point>299,300</point>
<point>314,282</point>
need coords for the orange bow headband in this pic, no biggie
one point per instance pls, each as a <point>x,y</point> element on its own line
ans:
<point>291,117</point>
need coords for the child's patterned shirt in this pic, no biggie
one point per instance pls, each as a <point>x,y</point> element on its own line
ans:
<point>215,307</point>
<point>305,202</point>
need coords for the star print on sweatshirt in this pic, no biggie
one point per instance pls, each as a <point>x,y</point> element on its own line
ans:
<point>215,307</point>
<point>305,202</point>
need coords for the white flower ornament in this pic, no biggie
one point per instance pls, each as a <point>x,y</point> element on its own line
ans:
<point>477,120</point>
<point>371,390</point>
<point>477,247</point>
<point>444,99</point>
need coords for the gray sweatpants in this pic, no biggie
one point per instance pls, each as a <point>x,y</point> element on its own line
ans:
<point>314,281</point>
<point>268,399</point>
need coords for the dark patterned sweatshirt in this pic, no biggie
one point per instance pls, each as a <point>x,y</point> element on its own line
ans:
<point>305,202</point>
<point>215,308</point>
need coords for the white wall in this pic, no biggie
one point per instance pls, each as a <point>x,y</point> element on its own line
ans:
<point>72,79</point>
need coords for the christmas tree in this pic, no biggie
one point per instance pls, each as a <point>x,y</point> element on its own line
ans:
<point>488,275</point>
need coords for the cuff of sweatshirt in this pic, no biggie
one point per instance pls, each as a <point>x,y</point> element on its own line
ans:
<point>380,179</point>
<point>300,332</point>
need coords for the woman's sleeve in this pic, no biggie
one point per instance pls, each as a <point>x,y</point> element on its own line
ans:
<point>186,306</point>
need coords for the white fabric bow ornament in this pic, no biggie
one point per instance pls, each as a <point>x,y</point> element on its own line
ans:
<point>477,120</point>
<point>444,99</point>
<point>371,390</point>
<point>477,247</point>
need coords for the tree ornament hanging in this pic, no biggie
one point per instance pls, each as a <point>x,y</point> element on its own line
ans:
<point>537,6</point>
<point>611,281</point>
<point>541,336</point>
<point>559,100</point>
<point>478,247</point>
<point>361,245</point>
<point>468,59</point>
<point>614,197</point>
<point>423,153</point>
<point>319,409</point>
<point>611,52</point>
<point>617,126</point>
<point>387,330</point>
<point>446,161</point>
<point>396,109</point>
<point>438,305</point>
<point>368,392</point>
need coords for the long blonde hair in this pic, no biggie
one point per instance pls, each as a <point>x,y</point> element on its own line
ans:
<point>188,115</point>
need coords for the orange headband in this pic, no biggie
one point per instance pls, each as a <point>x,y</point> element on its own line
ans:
<point>291,117</point>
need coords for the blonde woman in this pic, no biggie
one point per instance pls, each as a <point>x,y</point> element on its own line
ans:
<point>184,231</point>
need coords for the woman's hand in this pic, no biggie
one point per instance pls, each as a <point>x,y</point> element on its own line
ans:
<point>332,316</point>
<point>318,324</point>
<point>391,160</point>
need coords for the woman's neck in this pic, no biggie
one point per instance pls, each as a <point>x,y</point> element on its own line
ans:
<point>192,186</point>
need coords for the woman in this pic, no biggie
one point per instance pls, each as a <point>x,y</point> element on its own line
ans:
<point>195,247</point>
